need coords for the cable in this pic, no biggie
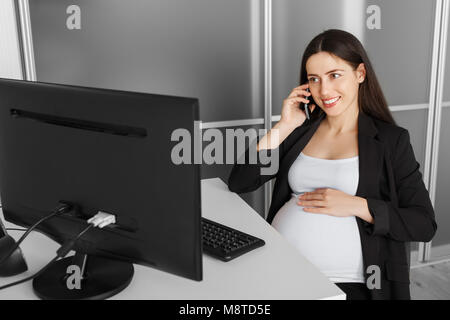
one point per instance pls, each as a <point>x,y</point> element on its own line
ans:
<point>100,220</point>
<point>59,210</point>
<point>60,253</point>
<point>30,277</point>
<point>68,245</point>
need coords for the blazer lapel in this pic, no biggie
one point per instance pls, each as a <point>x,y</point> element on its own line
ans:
<point>371,155</point>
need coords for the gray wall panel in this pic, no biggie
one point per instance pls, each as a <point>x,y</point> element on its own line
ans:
<point>295,23</point>
<point>210,49</point>
<point>442,205</point>
<point>10,61</point>
<point>415,121</point>
<point>447,69</point>
<point>401,50</point>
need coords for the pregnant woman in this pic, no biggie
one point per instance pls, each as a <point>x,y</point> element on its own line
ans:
<point>348,192</point>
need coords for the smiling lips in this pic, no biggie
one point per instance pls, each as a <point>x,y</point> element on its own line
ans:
<point>331,102</point>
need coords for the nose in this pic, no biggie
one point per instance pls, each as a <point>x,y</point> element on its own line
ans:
<point>324,89</point>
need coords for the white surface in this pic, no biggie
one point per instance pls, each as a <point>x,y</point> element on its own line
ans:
<point>330,243</point>
<point>274,271</point>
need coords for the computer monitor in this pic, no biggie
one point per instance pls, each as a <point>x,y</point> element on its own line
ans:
<point>101,150</point>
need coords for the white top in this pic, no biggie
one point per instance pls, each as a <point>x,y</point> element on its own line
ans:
<point>331,243</point>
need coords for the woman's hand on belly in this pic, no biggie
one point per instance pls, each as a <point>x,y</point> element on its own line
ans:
<point>335,203</point>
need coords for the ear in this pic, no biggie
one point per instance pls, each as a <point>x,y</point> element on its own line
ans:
<point>361,72</point>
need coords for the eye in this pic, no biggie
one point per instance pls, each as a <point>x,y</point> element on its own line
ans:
<point>313,79</point>
<point>335,74</point>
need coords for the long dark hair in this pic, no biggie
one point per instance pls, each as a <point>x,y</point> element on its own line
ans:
<point>346,46</point>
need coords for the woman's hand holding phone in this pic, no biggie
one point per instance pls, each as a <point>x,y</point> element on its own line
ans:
<point>292,115</point>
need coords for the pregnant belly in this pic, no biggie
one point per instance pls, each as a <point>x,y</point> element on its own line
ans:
<point>330,243</point>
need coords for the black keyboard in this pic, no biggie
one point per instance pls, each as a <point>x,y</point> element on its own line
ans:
<point>226,243</point>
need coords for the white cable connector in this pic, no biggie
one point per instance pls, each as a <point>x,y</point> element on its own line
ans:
<point>102,219</point>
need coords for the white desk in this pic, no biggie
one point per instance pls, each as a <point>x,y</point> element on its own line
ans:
<point>274,271</point>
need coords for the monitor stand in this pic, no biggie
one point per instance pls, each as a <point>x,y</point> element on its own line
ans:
<point>15,263</point>
<point>83,277</point>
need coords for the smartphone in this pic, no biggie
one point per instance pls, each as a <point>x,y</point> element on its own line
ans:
<point>305,106</point>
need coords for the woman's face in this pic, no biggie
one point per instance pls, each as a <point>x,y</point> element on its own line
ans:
<point>333,83</point>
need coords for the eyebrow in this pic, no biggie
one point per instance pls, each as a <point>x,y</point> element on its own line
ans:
<point>312,74</point>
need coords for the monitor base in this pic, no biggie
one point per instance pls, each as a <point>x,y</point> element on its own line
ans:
<point>83,277</point>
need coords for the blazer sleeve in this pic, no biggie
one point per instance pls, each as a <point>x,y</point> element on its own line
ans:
<point>413,218</point>
<point>246,175</point>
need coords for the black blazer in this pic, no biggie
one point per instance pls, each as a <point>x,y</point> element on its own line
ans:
<point>390,180</point>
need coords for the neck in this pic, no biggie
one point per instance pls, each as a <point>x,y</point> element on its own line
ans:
<point>344,123</point>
